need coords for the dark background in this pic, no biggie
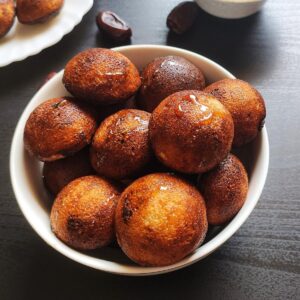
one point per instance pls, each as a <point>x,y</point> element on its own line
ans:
<point>262,260</point>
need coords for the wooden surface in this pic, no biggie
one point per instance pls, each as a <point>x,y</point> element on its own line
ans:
<point>262,260</point>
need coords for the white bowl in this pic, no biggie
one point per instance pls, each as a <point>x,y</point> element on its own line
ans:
<point>231,9</point>
<point>34,201</point>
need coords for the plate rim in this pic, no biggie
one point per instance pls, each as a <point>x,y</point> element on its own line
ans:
<point>24,55</point>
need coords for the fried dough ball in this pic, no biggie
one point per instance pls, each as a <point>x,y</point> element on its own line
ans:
<point>7,16</point>
<point>101,76</point>
<point>121,145</point>
<point>245,104</point>
<point>58,128</point>
<point>37,11</point>
<point>165,76</point>
<point>224,190</point>
<point>160,219</point>
<point>83,213</point>
<point>57,174</point>
<point>191,131</point>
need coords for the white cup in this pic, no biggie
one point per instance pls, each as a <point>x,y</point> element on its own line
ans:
<point>231,9</point>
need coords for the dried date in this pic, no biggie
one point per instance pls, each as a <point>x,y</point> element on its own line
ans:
<point>182,16</point>
<point>113,26</point>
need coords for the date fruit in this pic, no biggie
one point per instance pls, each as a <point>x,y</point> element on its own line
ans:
<point>113,26</point>
<point>182,16</point>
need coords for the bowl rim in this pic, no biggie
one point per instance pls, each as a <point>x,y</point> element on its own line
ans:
<point>113,267</point>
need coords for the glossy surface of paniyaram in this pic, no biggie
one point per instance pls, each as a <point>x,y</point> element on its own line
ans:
<point>34,11</point>
<point>191,131</point>
<point>224,189</point>
<point>160,219</point>
<point>121,146</point>
<point>245,104</point>
<point>83,213</point>
<point>58,128</point>
<point>101,76</point>
<point>166,75</point>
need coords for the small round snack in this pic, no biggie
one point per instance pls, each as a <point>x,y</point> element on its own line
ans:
<point>121,145</point>
<point>57,174</point>
<point>245,104</point>
<point>7,16</point>
<point>160,219</point>
<point>165,76</point>
<point>101,76</point>
<point>37,11</point>
<point>224,190</point>
<point>58,128</point>
<point>82,215</point>
<point>191,131</point>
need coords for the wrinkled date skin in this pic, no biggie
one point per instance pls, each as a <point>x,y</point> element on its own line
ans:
<point>182,17</point>
<point>113,26</point>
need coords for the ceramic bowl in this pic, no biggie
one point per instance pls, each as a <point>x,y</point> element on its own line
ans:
<point>34,200</point>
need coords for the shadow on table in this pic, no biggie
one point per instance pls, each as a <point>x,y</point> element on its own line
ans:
<point>52,276</point>
<point>103,41</point>
<point>239,45</point>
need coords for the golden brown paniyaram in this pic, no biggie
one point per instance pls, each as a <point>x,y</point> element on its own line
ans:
<point>245,104</point>
<point>224,189</point>
<point>191,131</point>
<point>121,145</point>
<point>166,75</point>
<point>82,215</point>
<point>101,76</point>
<point>160,219</point>
<point>7,16</point>
<point>58,128</point>
<point>37,11</point>
<point>57,174</point>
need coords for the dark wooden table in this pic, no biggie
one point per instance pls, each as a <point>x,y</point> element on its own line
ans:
<point>262,260</point>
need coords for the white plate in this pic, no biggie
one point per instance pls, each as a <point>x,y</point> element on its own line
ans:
<point>33,199</point>
<point>26,40</point>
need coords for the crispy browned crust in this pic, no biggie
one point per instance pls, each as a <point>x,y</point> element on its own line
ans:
<point>57,174</point>
<point>245,104</point>
<point>224,190</point>
<point>121,145</point>
<point>101,76</point>
<point>7,16</point>
<point>165,76</point>
<point>191,131</point>
<point>37,11</point>
<point>160,219</point>
<point>83,213</point>
<point>58,128</point>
